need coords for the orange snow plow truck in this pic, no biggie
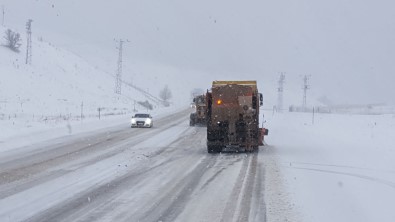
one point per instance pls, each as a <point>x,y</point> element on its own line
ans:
<point>233,116</point>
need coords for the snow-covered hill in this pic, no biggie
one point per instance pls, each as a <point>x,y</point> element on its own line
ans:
<point>57,82</point>
<point>57,86</point>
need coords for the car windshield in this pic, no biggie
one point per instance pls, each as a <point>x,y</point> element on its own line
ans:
<point>264,110</point>
<point>141,115</point>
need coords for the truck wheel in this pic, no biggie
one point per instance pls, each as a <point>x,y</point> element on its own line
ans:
<point>214,149</point>
<point>192,119</point>
<point>256,150</point>
<point>250,149</point>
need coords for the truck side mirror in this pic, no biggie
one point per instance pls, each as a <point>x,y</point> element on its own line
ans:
<point>194,100</point>
<point>260,99</point>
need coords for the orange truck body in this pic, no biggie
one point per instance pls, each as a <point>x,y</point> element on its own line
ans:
<point>233,116</point>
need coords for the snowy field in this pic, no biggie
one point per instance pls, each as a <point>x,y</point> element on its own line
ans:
<point>341,168</point>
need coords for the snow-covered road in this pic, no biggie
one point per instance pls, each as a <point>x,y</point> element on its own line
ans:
<point>340,168</point>
<point>123,174</point>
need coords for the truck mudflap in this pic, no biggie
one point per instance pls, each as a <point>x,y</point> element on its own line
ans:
<point>262,133</point>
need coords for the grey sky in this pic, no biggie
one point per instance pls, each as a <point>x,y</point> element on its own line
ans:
<point>346,46</point>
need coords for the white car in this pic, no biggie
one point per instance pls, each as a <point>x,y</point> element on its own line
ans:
<point>142,120</point>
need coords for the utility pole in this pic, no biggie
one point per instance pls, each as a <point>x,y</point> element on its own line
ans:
<point>118,77</point>
<point>29,42</point>
<point>280,90</point>
<point>306,87</point>
<point>82,110</point>
<point>313,116</point>
<point>99,109</point>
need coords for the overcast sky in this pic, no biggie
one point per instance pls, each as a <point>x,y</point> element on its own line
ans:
<point>348,47</point>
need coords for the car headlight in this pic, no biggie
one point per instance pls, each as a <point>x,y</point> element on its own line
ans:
<point>148,121</point>
<point>133,121</point>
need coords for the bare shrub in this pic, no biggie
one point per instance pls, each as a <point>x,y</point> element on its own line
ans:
<point>13,40</point>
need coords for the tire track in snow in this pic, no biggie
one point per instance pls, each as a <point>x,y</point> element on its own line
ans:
<point>361,176</point>
<point>221,170</point>
<point>238,206</point>
<point>173,203</point>
<point>95,203</point>
<point>248,191</point>
<point>344,166</point>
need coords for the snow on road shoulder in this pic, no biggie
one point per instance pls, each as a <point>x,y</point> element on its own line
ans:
<point>278,201</point>
<point>340,168</point>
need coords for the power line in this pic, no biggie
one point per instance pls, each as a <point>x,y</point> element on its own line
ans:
<point>280,90</point>
<point>29,42</point>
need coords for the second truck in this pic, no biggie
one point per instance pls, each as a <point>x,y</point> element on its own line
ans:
<point>233,116</point>
<point>199,116</point>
